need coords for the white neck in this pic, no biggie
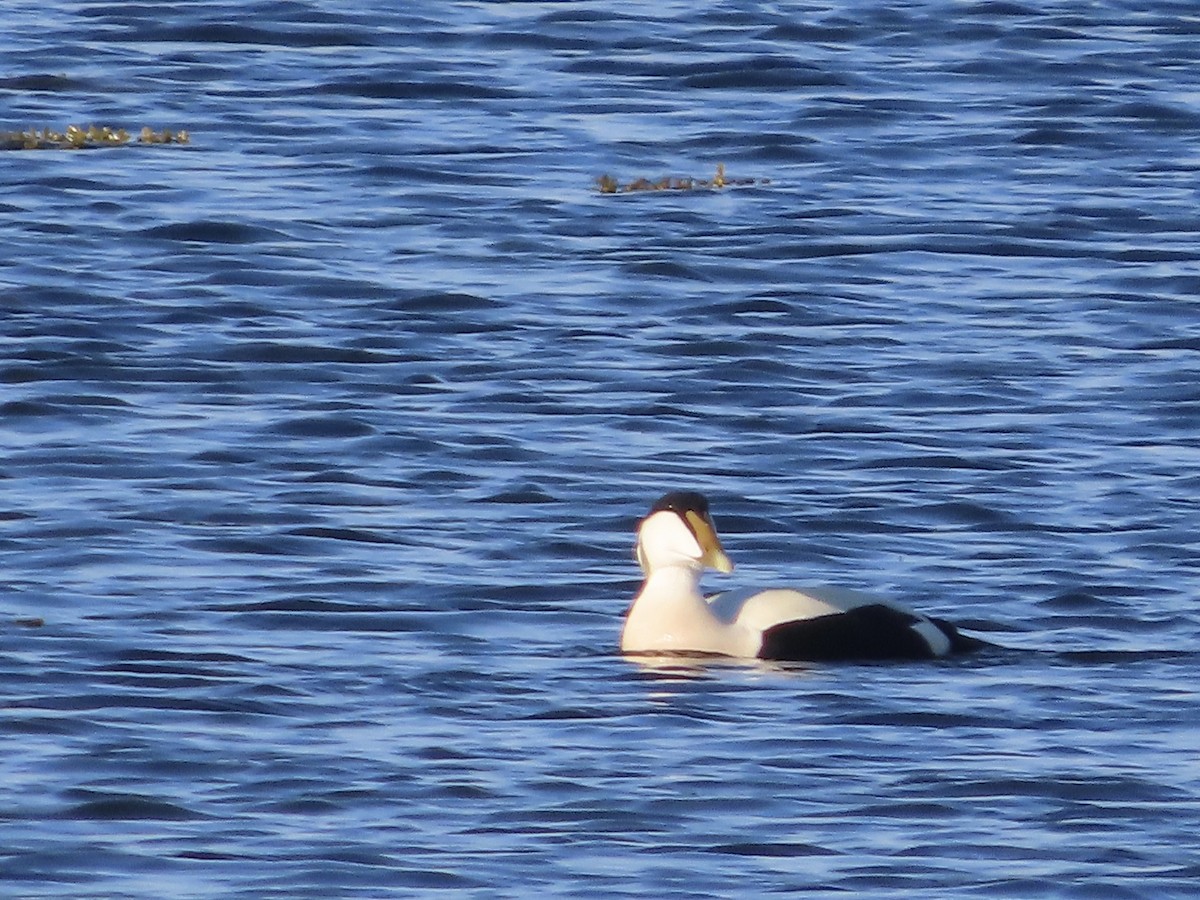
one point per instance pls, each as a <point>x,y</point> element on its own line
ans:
<point>670,613</point>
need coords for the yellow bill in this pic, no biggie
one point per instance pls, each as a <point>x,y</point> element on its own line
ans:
<point>706,536</point>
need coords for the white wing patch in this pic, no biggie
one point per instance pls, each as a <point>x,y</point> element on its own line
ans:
<point>937,640</point>
<point>759,610</point>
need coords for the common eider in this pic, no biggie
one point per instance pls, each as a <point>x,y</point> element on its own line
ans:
<point>678,540</point>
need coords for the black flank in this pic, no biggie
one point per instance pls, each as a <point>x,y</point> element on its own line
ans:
<point>869,632</point>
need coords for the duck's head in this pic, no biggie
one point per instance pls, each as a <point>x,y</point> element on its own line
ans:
<point>679,531</point>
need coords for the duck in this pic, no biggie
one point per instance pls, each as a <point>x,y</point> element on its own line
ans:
<point>677,541</point>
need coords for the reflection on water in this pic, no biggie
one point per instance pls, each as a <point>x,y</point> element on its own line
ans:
<point>324,437</point>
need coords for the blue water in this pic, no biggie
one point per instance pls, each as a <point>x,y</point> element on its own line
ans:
<point>323,439</point>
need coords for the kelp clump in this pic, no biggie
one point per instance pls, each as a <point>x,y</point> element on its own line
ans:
<point>90,138</point>
<point>609,185</point>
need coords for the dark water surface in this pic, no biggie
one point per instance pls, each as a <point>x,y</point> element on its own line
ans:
<point>322,440</point>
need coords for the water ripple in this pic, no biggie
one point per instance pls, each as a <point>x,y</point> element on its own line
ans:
<point>325,437</point>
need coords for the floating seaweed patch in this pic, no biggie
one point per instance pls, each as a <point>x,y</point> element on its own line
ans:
<point>609,185</point>
<point>90,138</point>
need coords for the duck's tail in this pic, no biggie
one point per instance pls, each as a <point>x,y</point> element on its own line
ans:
<point>959,642</point>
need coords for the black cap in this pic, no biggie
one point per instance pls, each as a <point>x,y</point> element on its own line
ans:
<point>681,502</point>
